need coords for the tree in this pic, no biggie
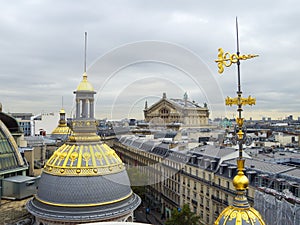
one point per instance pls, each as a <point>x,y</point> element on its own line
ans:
<point>184,216</point>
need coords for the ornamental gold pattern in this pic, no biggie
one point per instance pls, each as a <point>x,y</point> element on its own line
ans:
<point>226,59</point>
<point>237,216</point>
<point>62,130</point>
<point>84,160</point>
<point>240,101</point>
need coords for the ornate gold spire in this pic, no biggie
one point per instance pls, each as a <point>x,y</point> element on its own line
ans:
<point>240,210</point>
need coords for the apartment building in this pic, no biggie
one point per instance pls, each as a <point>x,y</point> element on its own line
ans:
<point>201,177</point>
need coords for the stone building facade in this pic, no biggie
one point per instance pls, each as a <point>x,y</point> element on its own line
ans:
<point>183,111</point>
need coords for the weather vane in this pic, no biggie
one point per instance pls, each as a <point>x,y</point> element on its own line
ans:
<point>240,212</point>
<point>227,59</point>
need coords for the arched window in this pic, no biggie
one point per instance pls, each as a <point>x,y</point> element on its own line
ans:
<point>164,113</point>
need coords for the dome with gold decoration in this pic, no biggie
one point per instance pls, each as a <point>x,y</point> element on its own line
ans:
<point>62,131</point>
<point>85,85</point>
<point>84,180</point>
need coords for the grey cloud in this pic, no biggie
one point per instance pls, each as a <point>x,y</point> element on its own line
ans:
<point>42,46</point>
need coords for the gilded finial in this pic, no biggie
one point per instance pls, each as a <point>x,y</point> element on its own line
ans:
<point>240,181</point>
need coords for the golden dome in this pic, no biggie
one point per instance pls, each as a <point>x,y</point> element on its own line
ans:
<point>238,216</point>
<point>62,130</point>
<point>85,85</point>
<point>62,111</point>
<point>84,160</point>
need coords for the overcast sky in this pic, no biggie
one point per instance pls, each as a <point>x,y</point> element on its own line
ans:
<point>139,49</point>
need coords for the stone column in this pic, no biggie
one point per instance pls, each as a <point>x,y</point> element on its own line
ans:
<point>84,111</point>
<point>92,108</point>
<point>77,108</point>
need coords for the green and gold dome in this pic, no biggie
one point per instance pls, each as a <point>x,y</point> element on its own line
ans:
<point>84,180</point>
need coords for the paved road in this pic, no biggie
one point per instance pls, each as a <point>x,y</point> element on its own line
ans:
<point>142,217</point>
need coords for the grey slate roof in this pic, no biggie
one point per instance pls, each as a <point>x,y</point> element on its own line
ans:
<point>73,189</point>
<point>213,151</point>
<point>265,167</point>
<point>295,173</point>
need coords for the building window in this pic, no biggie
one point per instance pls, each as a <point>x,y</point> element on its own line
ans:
<point>226,198</point>
<point>164,111</point>
<point>207,192</point>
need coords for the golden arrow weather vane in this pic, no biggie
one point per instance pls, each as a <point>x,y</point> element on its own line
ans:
<point>226,60</point>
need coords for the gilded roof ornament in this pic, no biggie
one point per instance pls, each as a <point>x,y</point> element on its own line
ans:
<point>240,212</point>
<point>85,85</point>
<point>226,59</point>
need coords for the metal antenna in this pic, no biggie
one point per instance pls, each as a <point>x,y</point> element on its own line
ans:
<point>62,102</point>
<point>85,47</point>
